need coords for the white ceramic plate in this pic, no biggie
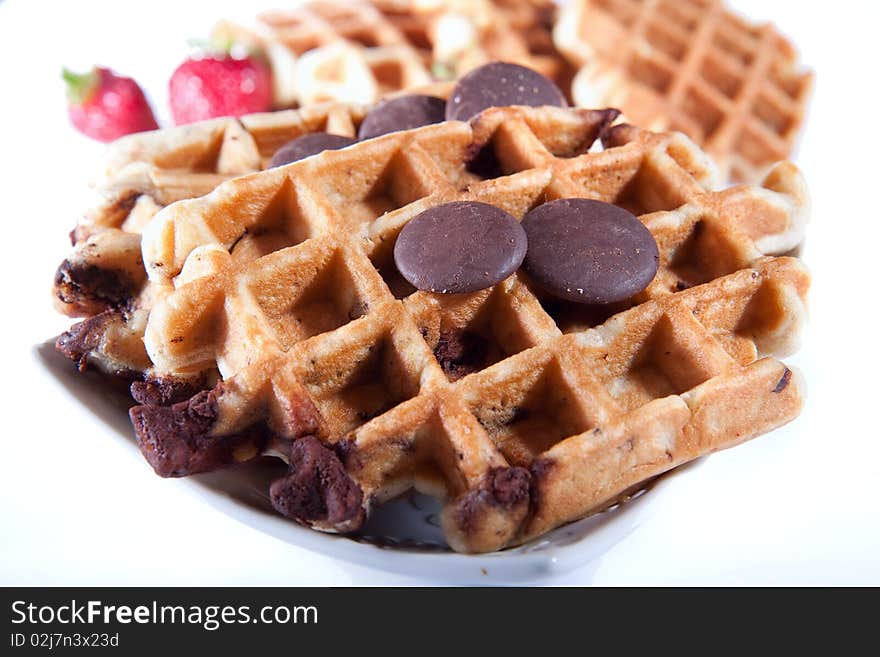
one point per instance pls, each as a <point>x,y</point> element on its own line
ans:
<point>402,536</point>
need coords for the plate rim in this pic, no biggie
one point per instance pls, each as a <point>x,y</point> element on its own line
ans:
<point>515,564</point>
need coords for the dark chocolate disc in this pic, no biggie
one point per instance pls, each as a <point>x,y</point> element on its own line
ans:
<point>307,145</point>
<point>459,247</point>
<point>500,85</point>
<point>402,113</point>
<point>589,252</point>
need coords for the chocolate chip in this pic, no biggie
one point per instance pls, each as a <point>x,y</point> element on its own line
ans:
<point>588,251</point>
<point>509,486</point>
<point>166,390</point>
<point>307,145</point>
<point>500,85</point>
<point>92,289</point>
<point>85,337</point>
<point>782,384</point>
<point>317,487</point>
<point>461,353</point>
<point>459,247</point>
<point>502,487</point>
<point>402,113</point>
<point>176,440</point>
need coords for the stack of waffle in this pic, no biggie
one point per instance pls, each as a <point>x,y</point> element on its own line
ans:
<point>360,51</point>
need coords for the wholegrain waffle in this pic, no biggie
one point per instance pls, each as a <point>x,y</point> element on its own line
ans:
<point>734,87</point>
<point>521,411</point>
<point>104,278</point>
<point>360,51</point>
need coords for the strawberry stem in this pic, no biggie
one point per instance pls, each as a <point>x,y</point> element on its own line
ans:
<point>215,46</point>
<point>221,45</point>
<point>80,86</point>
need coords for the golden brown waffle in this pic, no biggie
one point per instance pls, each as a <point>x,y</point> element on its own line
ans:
<point>143,173</point>
<point>734,87</point>
<point>334,51</point>
<point>360,51</point>
<point>104,278</point>
<point>459,35</point>
<point>547,410</point>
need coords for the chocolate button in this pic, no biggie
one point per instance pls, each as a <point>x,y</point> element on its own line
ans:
<point>403,113</point>
<point>307,145</point>
<point>459,247</point>
<point>588,251</point>
<point>500,85</point>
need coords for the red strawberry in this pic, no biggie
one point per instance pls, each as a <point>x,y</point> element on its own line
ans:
<point>218,84</point>
<point>105,106</point>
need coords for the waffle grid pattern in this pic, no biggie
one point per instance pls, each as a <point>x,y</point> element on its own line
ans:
<point>359,51</point>
<point>367,53</point>
<point>518,32</point>
<point>320,338</point>
<point>142,174</point>
<point>692,65</point>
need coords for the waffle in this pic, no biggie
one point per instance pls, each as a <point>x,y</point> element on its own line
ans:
<point>521,411</point>
<point>360,51</point>
<point>459,35</point>
<point>143,173</point>
<point>333,51</point>
<point>104,278</point>
<point>735,88</point>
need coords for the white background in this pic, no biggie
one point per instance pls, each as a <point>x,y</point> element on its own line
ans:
<point>799,506</point>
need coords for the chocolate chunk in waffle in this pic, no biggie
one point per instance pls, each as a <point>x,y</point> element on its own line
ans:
<point>104,280</point>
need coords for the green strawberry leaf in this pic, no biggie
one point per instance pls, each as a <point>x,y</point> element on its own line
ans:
<point>222,46</point>
<point>80,86</point>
